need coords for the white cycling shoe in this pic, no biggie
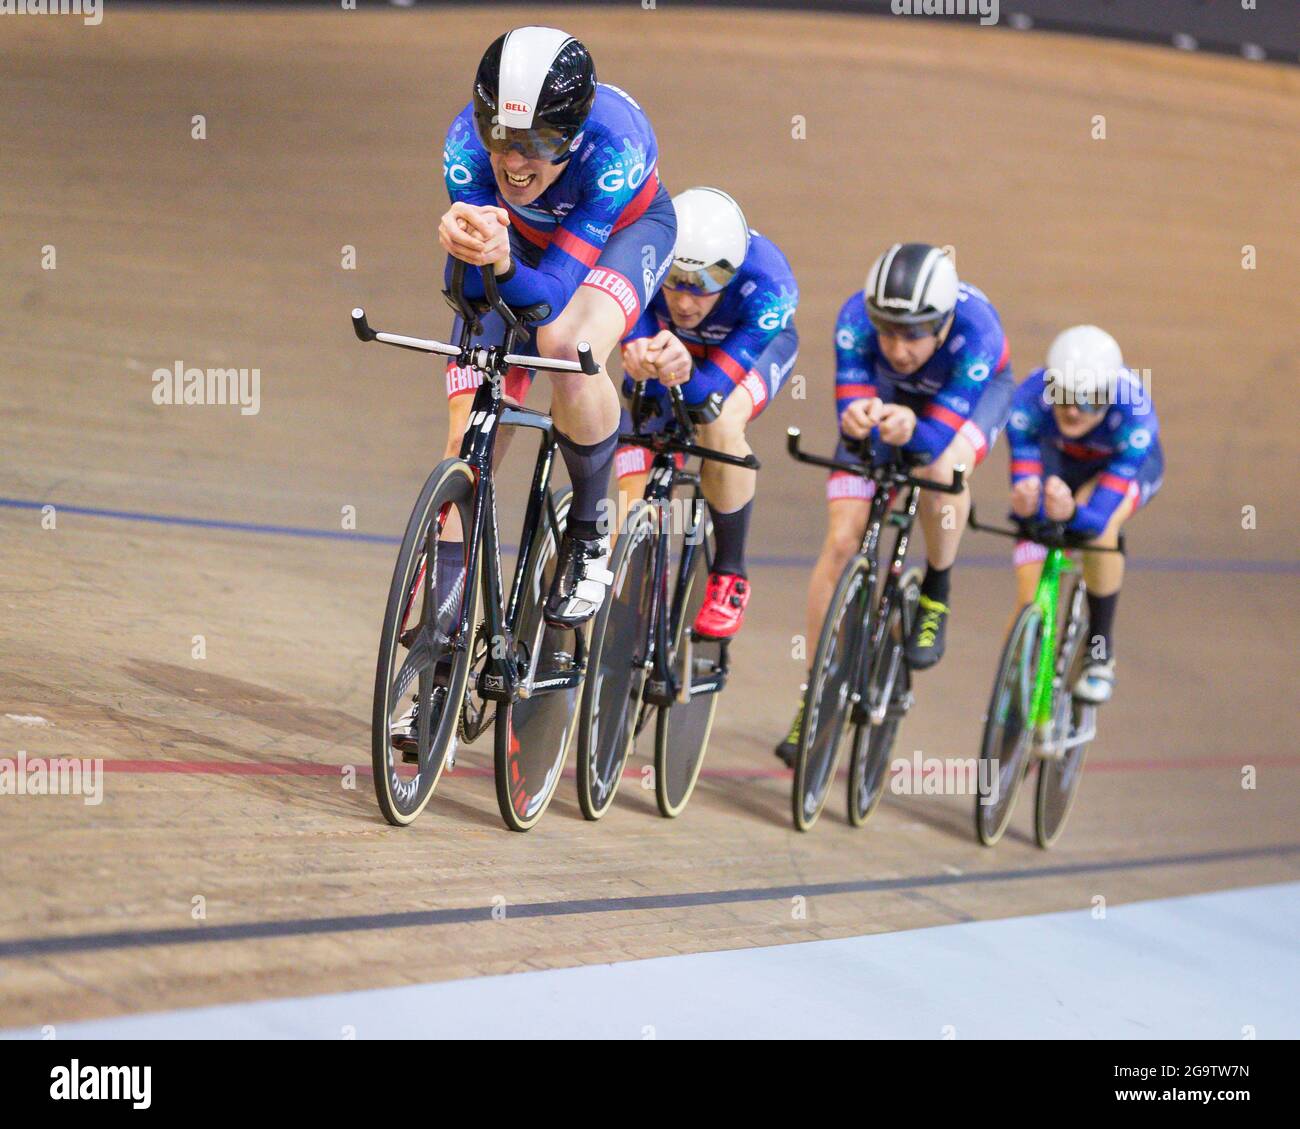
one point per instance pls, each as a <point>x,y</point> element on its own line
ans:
<point>404,734</point>
<point>582,578</point>
<point>1096,684</point>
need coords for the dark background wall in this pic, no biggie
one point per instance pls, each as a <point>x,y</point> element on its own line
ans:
<point>1270,30</point>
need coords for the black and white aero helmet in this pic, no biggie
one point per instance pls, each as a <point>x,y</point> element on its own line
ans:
<point>533,91</point>
<point>912,286</point>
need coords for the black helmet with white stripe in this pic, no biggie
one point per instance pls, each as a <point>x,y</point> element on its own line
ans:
<point>534,89</point>
<point>912,288</point>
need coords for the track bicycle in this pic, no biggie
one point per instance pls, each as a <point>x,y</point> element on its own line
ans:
<point>860,675</point>
<point>475,655</point>
<point>645,658</point>
<point>1033,717</point>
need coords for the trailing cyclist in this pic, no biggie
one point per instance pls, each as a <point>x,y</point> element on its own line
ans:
<point>1085,450</point>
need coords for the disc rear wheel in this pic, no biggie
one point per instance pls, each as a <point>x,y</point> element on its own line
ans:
<point>611,694</point>
<point>889,692</point>
<point>682,729</point>
<point>532,733</point>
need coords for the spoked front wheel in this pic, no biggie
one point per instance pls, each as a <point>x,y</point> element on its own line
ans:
<point>532,733</point>
<point>831,683</point>
<point>1005,751</point>
<point>420,667</point>
<point>889,696</point>
<point>1073,722</point>
<point>682,729</point>
<point>611,695</point>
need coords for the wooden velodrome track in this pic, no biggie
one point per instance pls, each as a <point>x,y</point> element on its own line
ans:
<point>226,777</point>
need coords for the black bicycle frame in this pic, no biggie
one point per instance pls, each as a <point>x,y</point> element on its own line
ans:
<point>500,680</point>
<point>889,478</point>
<point>663,687</point>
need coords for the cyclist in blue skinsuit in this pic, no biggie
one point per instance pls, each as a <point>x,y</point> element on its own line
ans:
<point>721,327</point>
<point>922,363</point>
<point>554,181</point>
<point>1085,450</point>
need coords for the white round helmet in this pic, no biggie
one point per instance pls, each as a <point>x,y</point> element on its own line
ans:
<point>1083,367</point>
<point>912,285</point>
<point>712,241</point>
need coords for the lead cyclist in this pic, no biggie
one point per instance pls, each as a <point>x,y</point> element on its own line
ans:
<point>554,183</point>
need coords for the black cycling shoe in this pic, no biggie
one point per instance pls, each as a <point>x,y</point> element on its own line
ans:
<point>925,644</point>
<point>788,750</point>
<point>582,578</point>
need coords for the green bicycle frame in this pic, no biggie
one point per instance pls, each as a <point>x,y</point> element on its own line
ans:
<point>1048,597</point>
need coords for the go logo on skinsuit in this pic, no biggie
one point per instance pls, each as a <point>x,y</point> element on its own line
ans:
<point>615,179</point>
<point>779,313</point>
<point>626,171</point>
<point>1139,439</point>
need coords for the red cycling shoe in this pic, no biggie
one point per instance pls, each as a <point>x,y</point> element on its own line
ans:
<point>723,610</point>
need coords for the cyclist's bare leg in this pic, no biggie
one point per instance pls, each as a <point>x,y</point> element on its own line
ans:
<point>845,529</point>
<point>631,488</point>
<point>457,419</point>
<point>1104,575</point>
<point>1027,583</point>
<point>1104,572</point>
<point>585,408</point>
<point>728,488</point>
<point>943,516</point>
<point>586,412</point>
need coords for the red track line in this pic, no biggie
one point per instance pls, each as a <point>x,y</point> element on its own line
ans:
<point>150,767</point>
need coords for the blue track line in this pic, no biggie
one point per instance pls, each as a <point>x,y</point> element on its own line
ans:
<point>973,560</point>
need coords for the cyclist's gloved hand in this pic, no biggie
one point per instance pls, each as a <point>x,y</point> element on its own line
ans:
<point>1041,531</point>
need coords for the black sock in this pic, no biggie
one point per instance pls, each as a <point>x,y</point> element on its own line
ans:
<point>1101,622</point>
<point>589,466</point>
<point>935,585</point>
<point>729,534</point>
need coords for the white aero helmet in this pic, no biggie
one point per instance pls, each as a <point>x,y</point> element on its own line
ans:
<point>712,241</point>
<point>912,289</point>
<point>1084,364</point>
